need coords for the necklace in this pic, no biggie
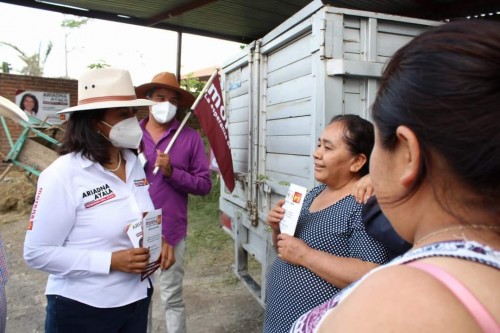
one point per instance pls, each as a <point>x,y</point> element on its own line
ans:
<point>459,227</point>
<point>118,166</point>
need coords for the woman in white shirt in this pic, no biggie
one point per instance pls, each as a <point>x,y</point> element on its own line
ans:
<point>84,202</point>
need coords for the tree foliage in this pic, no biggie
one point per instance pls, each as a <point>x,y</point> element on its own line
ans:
<point>6,67</point>
<point>35,62</point>
<point>192,84</point>
<point>100,64</point>
<point>70,24</point>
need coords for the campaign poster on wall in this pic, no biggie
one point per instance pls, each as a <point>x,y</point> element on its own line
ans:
<point>43,105</point>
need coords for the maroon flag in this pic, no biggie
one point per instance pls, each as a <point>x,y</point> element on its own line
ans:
<point>213,119</point>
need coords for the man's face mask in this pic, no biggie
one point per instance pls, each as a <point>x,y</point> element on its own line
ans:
<point>125,134</point>
<point>163,112</point>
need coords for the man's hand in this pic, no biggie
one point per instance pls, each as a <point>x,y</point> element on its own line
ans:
<point>163,163</point>
<point>167,257</point>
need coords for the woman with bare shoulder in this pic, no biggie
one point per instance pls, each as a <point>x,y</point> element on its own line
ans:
<point>434,170</point>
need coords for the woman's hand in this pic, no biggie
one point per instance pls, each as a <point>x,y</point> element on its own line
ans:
<point>167,257</point>
<point>363,189</point>
<point>275,215</point>
<point>163,163</point>
<point>132,260</point>
<point>292,250</point>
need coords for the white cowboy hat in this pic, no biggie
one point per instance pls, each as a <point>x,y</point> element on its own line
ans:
<point>12,111</point>
<point>106,88</point>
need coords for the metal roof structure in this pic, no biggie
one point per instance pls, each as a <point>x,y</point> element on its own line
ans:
<point>247,20</point>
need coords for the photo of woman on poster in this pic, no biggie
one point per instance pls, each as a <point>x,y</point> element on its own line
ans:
<point>29,104</point>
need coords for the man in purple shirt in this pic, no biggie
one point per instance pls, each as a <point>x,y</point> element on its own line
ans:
<point>184,170</point>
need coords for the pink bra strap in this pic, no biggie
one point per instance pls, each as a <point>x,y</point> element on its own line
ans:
<point>478,311</point>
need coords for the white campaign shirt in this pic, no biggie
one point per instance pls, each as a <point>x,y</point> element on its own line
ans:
<point>79,218</point>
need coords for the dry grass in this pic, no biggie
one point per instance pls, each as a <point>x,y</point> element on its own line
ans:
<point>17,191</point>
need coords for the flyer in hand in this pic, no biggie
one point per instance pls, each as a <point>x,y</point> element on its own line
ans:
<point>147,234</point>
<point>293,204</point>
<point>151,239</point>
<point>134,232</point>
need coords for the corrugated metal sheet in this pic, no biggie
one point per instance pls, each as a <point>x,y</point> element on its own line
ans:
<point>247,20</point>
<point>428,9</point>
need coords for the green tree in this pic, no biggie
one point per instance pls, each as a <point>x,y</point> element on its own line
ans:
<point>34,63</point>
<point>6,67</point>
<point>192,84</point>
<point>69,25</point>
<point>100,64</point>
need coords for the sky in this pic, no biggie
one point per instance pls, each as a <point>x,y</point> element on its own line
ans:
<point>143,51</point>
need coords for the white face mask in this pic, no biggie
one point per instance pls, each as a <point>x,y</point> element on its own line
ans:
<point>125,134</point>
<point>163,112</point>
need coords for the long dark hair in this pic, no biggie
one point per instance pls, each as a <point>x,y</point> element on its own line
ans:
<point>445,86</point>
<point>35,100</point>
<point>358,136</point>
<point>82,136</point>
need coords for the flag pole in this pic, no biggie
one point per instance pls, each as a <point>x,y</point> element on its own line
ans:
<point>186,117</point>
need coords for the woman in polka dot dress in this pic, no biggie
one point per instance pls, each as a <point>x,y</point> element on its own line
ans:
<point>330,248</point>
<point>434,168</point>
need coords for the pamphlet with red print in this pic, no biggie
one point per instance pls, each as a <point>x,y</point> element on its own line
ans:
<point>293,204</point>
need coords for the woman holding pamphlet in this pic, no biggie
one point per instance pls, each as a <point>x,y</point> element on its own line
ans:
<point>330,247</point>
<point>86,200</point>
<point>434,168</point>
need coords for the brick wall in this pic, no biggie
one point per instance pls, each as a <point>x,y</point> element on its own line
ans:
<point>10,83</point>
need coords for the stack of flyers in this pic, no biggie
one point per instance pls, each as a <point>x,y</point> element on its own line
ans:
<point>147,234</point>
<point>134,232</point>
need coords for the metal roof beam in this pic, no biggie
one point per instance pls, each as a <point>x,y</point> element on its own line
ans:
<point>128,20</point>
<point>178,11</point>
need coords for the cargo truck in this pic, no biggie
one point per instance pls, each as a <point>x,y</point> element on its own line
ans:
<point>279,94</point>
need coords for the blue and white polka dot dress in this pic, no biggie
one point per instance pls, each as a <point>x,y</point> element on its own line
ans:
<point>337,229</point>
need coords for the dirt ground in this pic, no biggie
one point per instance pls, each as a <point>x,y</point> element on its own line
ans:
<point>216,301</point>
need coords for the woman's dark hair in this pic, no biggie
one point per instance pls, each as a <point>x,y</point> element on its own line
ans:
<point>35,100</point>
<point>358,136</point>
<point>82,136</point>
<point>445,86</point>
